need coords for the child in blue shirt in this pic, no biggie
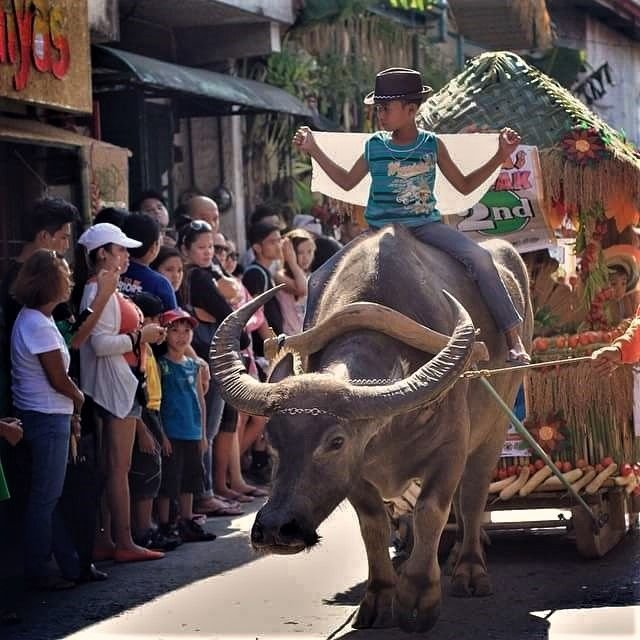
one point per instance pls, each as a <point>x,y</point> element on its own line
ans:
<point>183,417</point>
<point>402,162</point>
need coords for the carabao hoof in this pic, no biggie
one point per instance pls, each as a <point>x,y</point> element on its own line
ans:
<point>375,610</point>
<point>481,586</point>
<point>416,609</point>
<point>416,620</point>
<point>460,587</point>
<point>465,585</point>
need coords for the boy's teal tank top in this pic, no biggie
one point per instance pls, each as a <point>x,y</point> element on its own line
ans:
<point>402,180</point>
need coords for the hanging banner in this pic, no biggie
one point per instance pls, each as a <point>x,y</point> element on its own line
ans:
<point>512,208</point>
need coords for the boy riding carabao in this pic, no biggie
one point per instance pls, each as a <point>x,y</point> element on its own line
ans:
<point>401,160</point>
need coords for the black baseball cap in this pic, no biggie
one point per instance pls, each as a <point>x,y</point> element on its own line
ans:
<point>149,304</point>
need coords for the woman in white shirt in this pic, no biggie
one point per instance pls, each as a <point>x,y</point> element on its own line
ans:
<point>48,403</point>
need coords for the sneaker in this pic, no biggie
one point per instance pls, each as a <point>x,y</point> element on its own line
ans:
<point>159,540</point>
<point>191,531</point>
<point>170,532</point>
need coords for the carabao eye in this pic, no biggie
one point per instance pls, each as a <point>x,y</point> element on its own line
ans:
<point>336,443</point>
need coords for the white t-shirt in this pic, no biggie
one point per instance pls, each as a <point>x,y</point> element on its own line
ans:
<point>34,333</point>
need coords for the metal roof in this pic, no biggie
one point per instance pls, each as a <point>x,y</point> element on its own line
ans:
<point>228,94</point>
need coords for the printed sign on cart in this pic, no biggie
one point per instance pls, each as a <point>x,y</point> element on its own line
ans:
<point>512,208</point>
<point>514,446</point>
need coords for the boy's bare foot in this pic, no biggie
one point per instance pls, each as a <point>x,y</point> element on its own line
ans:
<point>517,353</point>
<point>518,357</point>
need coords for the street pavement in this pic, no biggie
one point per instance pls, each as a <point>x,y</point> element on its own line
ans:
<point>223,590</point>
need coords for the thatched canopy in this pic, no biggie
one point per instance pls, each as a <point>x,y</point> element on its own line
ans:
<point>525,24</point>
<point>499,89</point>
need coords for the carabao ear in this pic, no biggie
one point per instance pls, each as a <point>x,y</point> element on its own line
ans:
<point>283,368</point>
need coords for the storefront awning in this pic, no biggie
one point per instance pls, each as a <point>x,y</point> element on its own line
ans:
<point>227,94</point>
<point>105,166</point>
<point>34,132</point>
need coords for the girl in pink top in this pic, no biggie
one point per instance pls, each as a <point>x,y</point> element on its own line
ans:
<point>298,249</point>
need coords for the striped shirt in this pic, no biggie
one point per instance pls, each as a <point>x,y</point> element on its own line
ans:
<point>402,180</point>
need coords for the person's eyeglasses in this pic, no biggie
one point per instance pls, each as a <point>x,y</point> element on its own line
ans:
<point>233,255</point>
<point>220,248</point>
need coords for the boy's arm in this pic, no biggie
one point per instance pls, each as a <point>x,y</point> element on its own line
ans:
<point>507,144</point>
<point>203,409</point>
<point>629,342</point>
<point>624,350</point>
<point>347,180</point>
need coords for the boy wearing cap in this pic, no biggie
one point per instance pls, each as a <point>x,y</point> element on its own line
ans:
<point>183,417</point>
<point>401,160</point>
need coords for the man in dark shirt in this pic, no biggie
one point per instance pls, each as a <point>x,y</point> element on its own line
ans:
<point>139,276</point>
<point>49,227</point>
<point>266,243</point>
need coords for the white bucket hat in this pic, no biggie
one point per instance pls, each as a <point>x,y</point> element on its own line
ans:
<point>308,223</point>
<point>106,233</point>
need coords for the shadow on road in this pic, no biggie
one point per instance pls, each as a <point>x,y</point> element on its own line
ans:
<point>49,616</point>
<point>535,576</point>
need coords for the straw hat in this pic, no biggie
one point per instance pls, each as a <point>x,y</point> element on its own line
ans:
<point>626,257</point>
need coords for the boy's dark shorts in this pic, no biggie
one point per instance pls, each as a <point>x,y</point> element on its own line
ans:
<point>146,469</point>
<point>182,470</point>
<point>229,420</point>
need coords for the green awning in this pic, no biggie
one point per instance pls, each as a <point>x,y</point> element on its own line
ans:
<point>226,94</point>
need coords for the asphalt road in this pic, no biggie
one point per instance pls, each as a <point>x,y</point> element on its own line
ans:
<point>222,590</point>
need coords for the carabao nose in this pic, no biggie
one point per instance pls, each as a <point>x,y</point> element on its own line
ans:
<point>277,532</point>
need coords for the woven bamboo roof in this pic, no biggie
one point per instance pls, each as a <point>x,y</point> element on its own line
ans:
<point>524,24</point>
<point>499,89</point>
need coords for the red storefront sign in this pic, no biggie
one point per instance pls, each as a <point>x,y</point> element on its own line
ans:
<point>44,53</point>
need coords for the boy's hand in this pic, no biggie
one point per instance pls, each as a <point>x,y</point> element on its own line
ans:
<point>11,430</point>
<point>606,360</point>
<point>204,445</point>
<point>304,140</point>
<point>167,450</point>
<point>205,375</point>
<point>146,442</point>
<point>508,142</point>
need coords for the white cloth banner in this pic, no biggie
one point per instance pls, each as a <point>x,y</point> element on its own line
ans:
<point>468,150</point>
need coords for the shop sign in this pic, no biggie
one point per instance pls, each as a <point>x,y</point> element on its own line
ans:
<point>44,53</point>
<point>512,208</point>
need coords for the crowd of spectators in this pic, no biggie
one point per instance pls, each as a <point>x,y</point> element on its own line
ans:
<point>118,445</point>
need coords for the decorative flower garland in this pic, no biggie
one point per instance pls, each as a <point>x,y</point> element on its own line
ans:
<point>585,145</point>
<point>592,268</point>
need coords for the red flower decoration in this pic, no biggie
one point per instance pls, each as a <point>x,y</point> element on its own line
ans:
<point>583,145</point>
<point>550,435</point>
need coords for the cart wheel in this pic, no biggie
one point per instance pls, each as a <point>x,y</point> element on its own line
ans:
<point>610,509</point>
